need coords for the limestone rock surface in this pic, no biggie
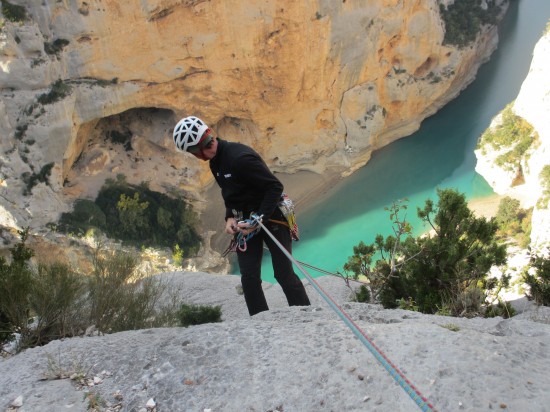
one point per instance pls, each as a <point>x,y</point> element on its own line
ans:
<point>532,104</point>
<point>92,89</point>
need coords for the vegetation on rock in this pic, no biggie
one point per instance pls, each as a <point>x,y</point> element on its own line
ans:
<point>13,12</point>
<point>58,91</point>
<point>545,184</point>
<point>442,272</point>
<point>513,222</point>
<point>198,314</point>
<point>464,19</point>
<point>48,301</point>
<point>514,134</point>
<point>55,47</point>
<point>538,279</point>
<point>32,179</point>
<point>138,216</point>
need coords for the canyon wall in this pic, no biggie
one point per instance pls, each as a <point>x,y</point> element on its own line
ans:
<point>92,89</point>
<point>524,181</point>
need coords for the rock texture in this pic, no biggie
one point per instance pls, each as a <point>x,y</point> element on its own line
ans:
<point>312,85</point>
<point>290,359</point>
<point>532,104</point>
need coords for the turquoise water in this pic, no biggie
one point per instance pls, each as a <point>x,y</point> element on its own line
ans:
<point>439,155</point>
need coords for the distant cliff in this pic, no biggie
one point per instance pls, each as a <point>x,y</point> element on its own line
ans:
<point>92,89</point>
<point>521,168</point>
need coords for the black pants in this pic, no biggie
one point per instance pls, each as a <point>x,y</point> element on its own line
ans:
<point>250,263</point>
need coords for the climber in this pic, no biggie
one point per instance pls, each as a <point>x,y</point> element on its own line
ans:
<point>248,187</point>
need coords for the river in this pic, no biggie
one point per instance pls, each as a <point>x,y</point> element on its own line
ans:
<point>439,155</point>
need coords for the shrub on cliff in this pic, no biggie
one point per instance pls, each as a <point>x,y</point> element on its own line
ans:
<point>197,314</point>
<point>545,184</point>
<point>138,216</point>
<point>52,301</point>
<point>446,270</point>
<point>15,288</point>
<point>464,19</point>
<point>58,91</point>
<point>514,135</point>
<point>13,12</point>
<point>86,215</point>
<point>513,221</point>
<point>537,277</point>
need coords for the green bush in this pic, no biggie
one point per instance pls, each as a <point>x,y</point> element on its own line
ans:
<point>545,183</point>
<point>196,314</point>
<point>503,309</point>
<point>137,216</point>
<point>362,294</point>
<point>141,216</point>
<point>56,46</point>
<point>32,179</point>
<point>58,91</point>
<point>56,300</point>
<point>443,270</point>
<point>514,133</point>
<point>464,19</point>
<point>15,288</point>
<point>13,12</point>
<point>539,281</point>
<point>513,221</point>
<point>62,303</point>
<point>86,215</point>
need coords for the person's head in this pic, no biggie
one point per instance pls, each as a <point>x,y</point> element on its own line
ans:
<point>192,135</point>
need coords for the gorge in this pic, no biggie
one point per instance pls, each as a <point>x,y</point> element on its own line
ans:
<point>369,75</point>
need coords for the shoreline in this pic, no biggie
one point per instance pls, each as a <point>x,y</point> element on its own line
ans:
<point>306,189</point>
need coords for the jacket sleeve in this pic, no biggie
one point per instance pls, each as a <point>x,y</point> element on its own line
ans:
<point>253,171</point>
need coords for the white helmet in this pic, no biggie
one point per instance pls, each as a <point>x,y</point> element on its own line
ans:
<point>188,132</point>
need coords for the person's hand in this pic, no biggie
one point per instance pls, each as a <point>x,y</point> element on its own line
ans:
<point>245,228</point>
<point>231,226</point>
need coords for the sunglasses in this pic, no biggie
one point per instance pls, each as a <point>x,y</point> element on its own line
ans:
<point>206,143</point>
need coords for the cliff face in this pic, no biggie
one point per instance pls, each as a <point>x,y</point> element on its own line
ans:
<point>533,105</point>
<point>311,85</point>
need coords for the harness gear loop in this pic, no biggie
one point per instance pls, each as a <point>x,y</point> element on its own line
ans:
<point>286,206</point>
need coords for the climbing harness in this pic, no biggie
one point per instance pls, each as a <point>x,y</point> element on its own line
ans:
<point>421,401</point>
<point>285,205</point>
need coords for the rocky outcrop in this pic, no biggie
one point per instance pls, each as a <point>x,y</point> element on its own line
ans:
<point>524,182</point>
<point>91,89</point>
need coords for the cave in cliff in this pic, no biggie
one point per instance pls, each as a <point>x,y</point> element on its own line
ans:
<point>136,143</point>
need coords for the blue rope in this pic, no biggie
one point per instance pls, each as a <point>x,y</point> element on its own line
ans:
<point>395,373</point>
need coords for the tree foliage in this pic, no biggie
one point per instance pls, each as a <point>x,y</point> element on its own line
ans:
<point>514,135</point>
<point>545,184</point>
<point>44,302</point>
<point>464,19</point>
<point>538,280</point>
<point>13,12</point>
<point>198,314</point>
<point>15,288</point>
<point>137,215</point>
<point>444,269</point>
<point>513,221</point>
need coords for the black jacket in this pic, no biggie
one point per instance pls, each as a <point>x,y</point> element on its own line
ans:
<point>246,182</point>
